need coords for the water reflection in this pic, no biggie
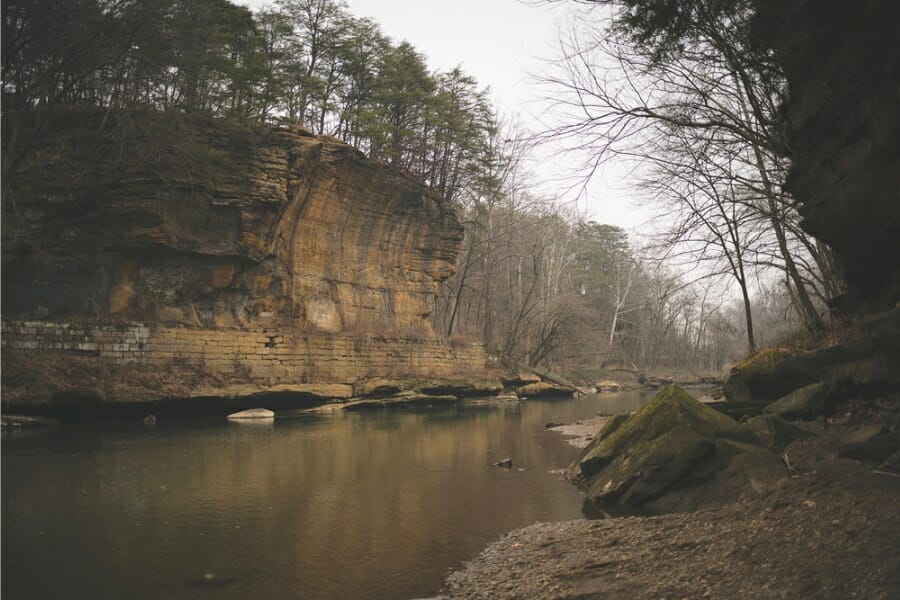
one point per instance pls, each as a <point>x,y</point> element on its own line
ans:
<point>362,505</point>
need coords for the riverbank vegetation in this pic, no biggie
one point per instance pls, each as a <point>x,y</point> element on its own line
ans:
<point>536,282</point>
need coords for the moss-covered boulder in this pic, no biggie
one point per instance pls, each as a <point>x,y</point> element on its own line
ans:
<point>673,444</point>
<point>461,388</point>
<point>543,389</point>
<point>863,364</point>
<point>520,378</point>
<point>754,376</point>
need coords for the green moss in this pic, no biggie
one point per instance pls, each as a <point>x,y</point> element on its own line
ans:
<point>656,446</point>
<point>760,362</point>
<point>610,426</point>
<point>672,407</point>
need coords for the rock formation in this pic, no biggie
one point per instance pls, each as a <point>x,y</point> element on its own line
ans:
<point>842,63</point>
<point>248,256</point>
<point>808,384</point>
<point>674,454</point>
<point>215,225</point>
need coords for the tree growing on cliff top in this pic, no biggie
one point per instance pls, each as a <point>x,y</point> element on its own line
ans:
<point>306,62</point>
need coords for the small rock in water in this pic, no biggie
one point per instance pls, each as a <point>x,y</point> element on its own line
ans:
<point>506,463</point>
<point>7,420</point>
<point>550,424</point>
<point>211,580</point>
<point>253,413</point>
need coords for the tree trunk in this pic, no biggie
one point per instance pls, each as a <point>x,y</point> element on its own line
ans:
<point>807,309</point>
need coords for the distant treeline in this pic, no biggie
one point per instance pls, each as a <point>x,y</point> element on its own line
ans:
<point>305,62</point>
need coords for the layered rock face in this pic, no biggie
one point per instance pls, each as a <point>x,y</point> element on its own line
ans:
<point>211,225</point>
<point>842,62</point>
<point>217,255</point>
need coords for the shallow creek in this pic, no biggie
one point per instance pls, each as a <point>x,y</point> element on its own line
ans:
<point>359,505</point>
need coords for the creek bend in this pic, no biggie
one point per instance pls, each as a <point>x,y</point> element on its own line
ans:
<point>376,504</point>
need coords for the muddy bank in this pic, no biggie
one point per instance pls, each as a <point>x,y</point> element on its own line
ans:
<point>832,531</point>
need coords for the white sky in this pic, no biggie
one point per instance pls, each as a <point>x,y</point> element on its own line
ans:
<point>501,43</point>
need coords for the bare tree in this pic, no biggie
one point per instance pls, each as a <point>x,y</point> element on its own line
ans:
<point>701,117</point>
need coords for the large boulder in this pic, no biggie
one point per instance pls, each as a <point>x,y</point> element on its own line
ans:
<point>760,377</point>
<point>674,453</point>
<point>807,402</point>
<point>870,443</point>
<point>776,433</point>
<point>864,364</point>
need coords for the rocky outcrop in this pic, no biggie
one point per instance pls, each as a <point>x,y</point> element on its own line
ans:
<point>607,385</point>
<point>216,225</point>
<point>842,63</point>
<point>863,364</point>
<point>776,433</point>
<point>402,399</point>
<point>869,443</point>
<point>807,402</point>
<point>156,257</point>
<point>543,389</point>
<point>674,454</point>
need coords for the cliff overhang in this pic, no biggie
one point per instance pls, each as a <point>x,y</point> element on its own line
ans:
<point>842,121</point>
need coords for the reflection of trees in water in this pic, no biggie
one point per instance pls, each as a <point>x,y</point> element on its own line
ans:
<point>405,493</point>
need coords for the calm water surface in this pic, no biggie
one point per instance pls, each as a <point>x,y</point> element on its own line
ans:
<point>357,505</point>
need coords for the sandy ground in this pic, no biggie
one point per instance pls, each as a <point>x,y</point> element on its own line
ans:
<point>580,433</point>
<point>833,531</point>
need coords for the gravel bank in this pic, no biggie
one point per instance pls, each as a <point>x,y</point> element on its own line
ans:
<point>580,433</point>
<point>833,531</point>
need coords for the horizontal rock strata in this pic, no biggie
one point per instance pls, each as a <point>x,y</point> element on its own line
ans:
<point>236,256</point>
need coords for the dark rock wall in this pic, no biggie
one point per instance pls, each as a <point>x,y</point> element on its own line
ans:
<point>842,62</point>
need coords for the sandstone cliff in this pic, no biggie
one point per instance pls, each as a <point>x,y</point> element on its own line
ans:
<point>214,225</point>
<point>221,255</point>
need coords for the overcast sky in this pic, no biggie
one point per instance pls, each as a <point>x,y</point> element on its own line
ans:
<point>501,43</point>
